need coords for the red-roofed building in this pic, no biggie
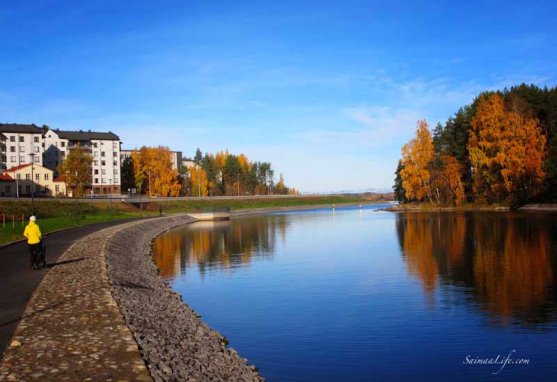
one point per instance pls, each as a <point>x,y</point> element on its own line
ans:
<point>27,179</point>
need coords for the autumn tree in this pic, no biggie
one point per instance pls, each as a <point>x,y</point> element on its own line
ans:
<point>198,181</point>
<point>507,151</point>
<point>76,170</point>
<point>416,157</point>
<point>154,173</point>
<point>446,180</point>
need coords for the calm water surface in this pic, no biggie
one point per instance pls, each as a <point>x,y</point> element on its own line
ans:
<point>360,295</point>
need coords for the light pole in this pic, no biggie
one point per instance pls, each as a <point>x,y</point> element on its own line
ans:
<point>32,184</point>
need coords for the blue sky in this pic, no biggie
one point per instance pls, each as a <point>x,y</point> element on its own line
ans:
<point>328,91</point>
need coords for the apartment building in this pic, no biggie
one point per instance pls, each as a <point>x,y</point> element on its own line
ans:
<point>20,144</point>
<point>103,147</point>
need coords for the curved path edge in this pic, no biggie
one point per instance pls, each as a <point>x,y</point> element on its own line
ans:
<point>173,341</point>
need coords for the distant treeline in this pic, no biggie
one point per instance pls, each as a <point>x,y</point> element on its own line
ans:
<point>224,173</point>
<point>502,148</point>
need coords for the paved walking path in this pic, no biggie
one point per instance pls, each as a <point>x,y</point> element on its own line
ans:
<point>72,329</point>
<point>17,281</point>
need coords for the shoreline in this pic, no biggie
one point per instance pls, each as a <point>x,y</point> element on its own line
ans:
<point>172,339</point>
<point>542,208</point>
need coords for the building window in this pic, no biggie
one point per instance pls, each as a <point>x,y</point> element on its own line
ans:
<point>95,163</point>
<point>103,172</point>
<point>96,172</point>
<point>103,163</point>
<point>27,176</point>
<point>22,159</point>
<point>115,171</point>
<point>103,181</point>
<point>57,188</point>
<point>115,163</point>
<point>63,144</point>
<point>18,176</point>
<point>114,145</point>
<point>13,159</point>
<point>96,154</point>
<point>12,149</point>
<point>115,154</point>
<point>115,181</point>
<point>12,138</point>
<point>21,149</point>
<point>95,145</point>
<point>37,149</point>
<point>96,180</point>
<point>37,176</point>
<point>22,139</point>
<point>37,159</point>
<point>45,176</point>
<point>102,154</point>
<point>36,139</point>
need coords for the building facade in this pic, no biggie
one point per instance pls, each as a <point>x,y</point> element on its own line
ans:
<point>103,147</point>
<point>30,179</point>
<point>20,144</point>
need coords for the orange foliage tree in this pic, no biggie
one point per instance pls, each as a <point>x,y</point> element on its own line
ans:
<point>154,173</point>
<point>507,150</point>
<point>416,157</point>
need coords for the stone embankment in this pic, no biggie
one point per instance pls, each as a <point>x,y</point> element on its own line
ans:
<point>102,313</point>
<point>173,341</point>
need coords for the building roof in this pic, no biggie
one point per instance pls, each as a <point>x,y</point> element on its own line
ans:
<point>16,168</point>
<point>86,135</point>
<point>20,128</point>
<point>59,179</point>
<point>5,177</point>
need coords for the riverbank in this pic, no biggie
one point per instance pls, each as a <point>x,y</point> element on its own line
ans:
<point>173,341</point>
<point>61,214</point>
<point>469,207</point>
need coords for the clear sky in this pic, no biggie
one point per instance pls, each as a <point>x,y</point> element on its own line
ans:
<point>328,91</point>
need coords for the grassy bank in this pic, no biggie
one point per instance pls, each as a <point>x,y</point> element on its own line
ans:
<point>58,214</point>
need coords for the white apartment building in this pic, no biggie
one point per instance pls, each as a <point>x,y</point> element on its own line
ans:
<point>103,147</point>
<point>20,144</point>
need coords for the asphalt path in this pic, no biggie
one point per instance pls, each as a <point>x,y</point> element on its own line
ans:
<point>18,281</point>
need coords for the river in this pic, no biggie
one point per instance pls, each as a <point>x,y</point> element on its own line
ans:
<point>362,294</point>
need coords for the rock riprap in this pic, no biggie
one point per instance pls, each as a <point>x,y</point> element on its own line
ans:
<point>174,342</point>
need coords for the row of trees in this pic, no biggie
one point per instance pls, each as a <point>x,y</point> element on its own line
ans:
<point>500,149</point>
<point>224,173</point>
<point>149,170</point>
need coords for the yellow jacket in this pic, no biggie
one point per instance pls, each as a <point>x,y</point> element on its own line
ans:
<point>32,233</point>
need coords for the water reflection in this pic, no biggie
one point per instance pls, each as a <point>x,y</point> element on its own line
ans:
<point>504,261</point>
<point>217,245</point>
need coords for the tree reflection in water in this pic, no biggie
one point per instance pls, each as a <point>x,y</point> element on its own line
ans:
<point>504,261</point>
<point>217,245</point>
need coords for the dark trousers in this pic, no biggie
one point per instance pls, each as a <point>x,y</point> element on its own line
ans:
<point>33,252</point>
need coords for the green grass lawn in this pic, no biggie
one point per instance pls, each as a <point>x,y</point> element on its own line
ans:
<point>14,231</point>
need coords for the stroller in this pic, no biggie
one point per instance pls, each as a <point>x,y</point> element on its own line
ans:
<point>39,257</point>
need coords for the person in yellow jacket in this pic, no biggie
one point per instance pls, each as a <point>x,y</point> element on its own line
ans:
<point>33,234</point>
